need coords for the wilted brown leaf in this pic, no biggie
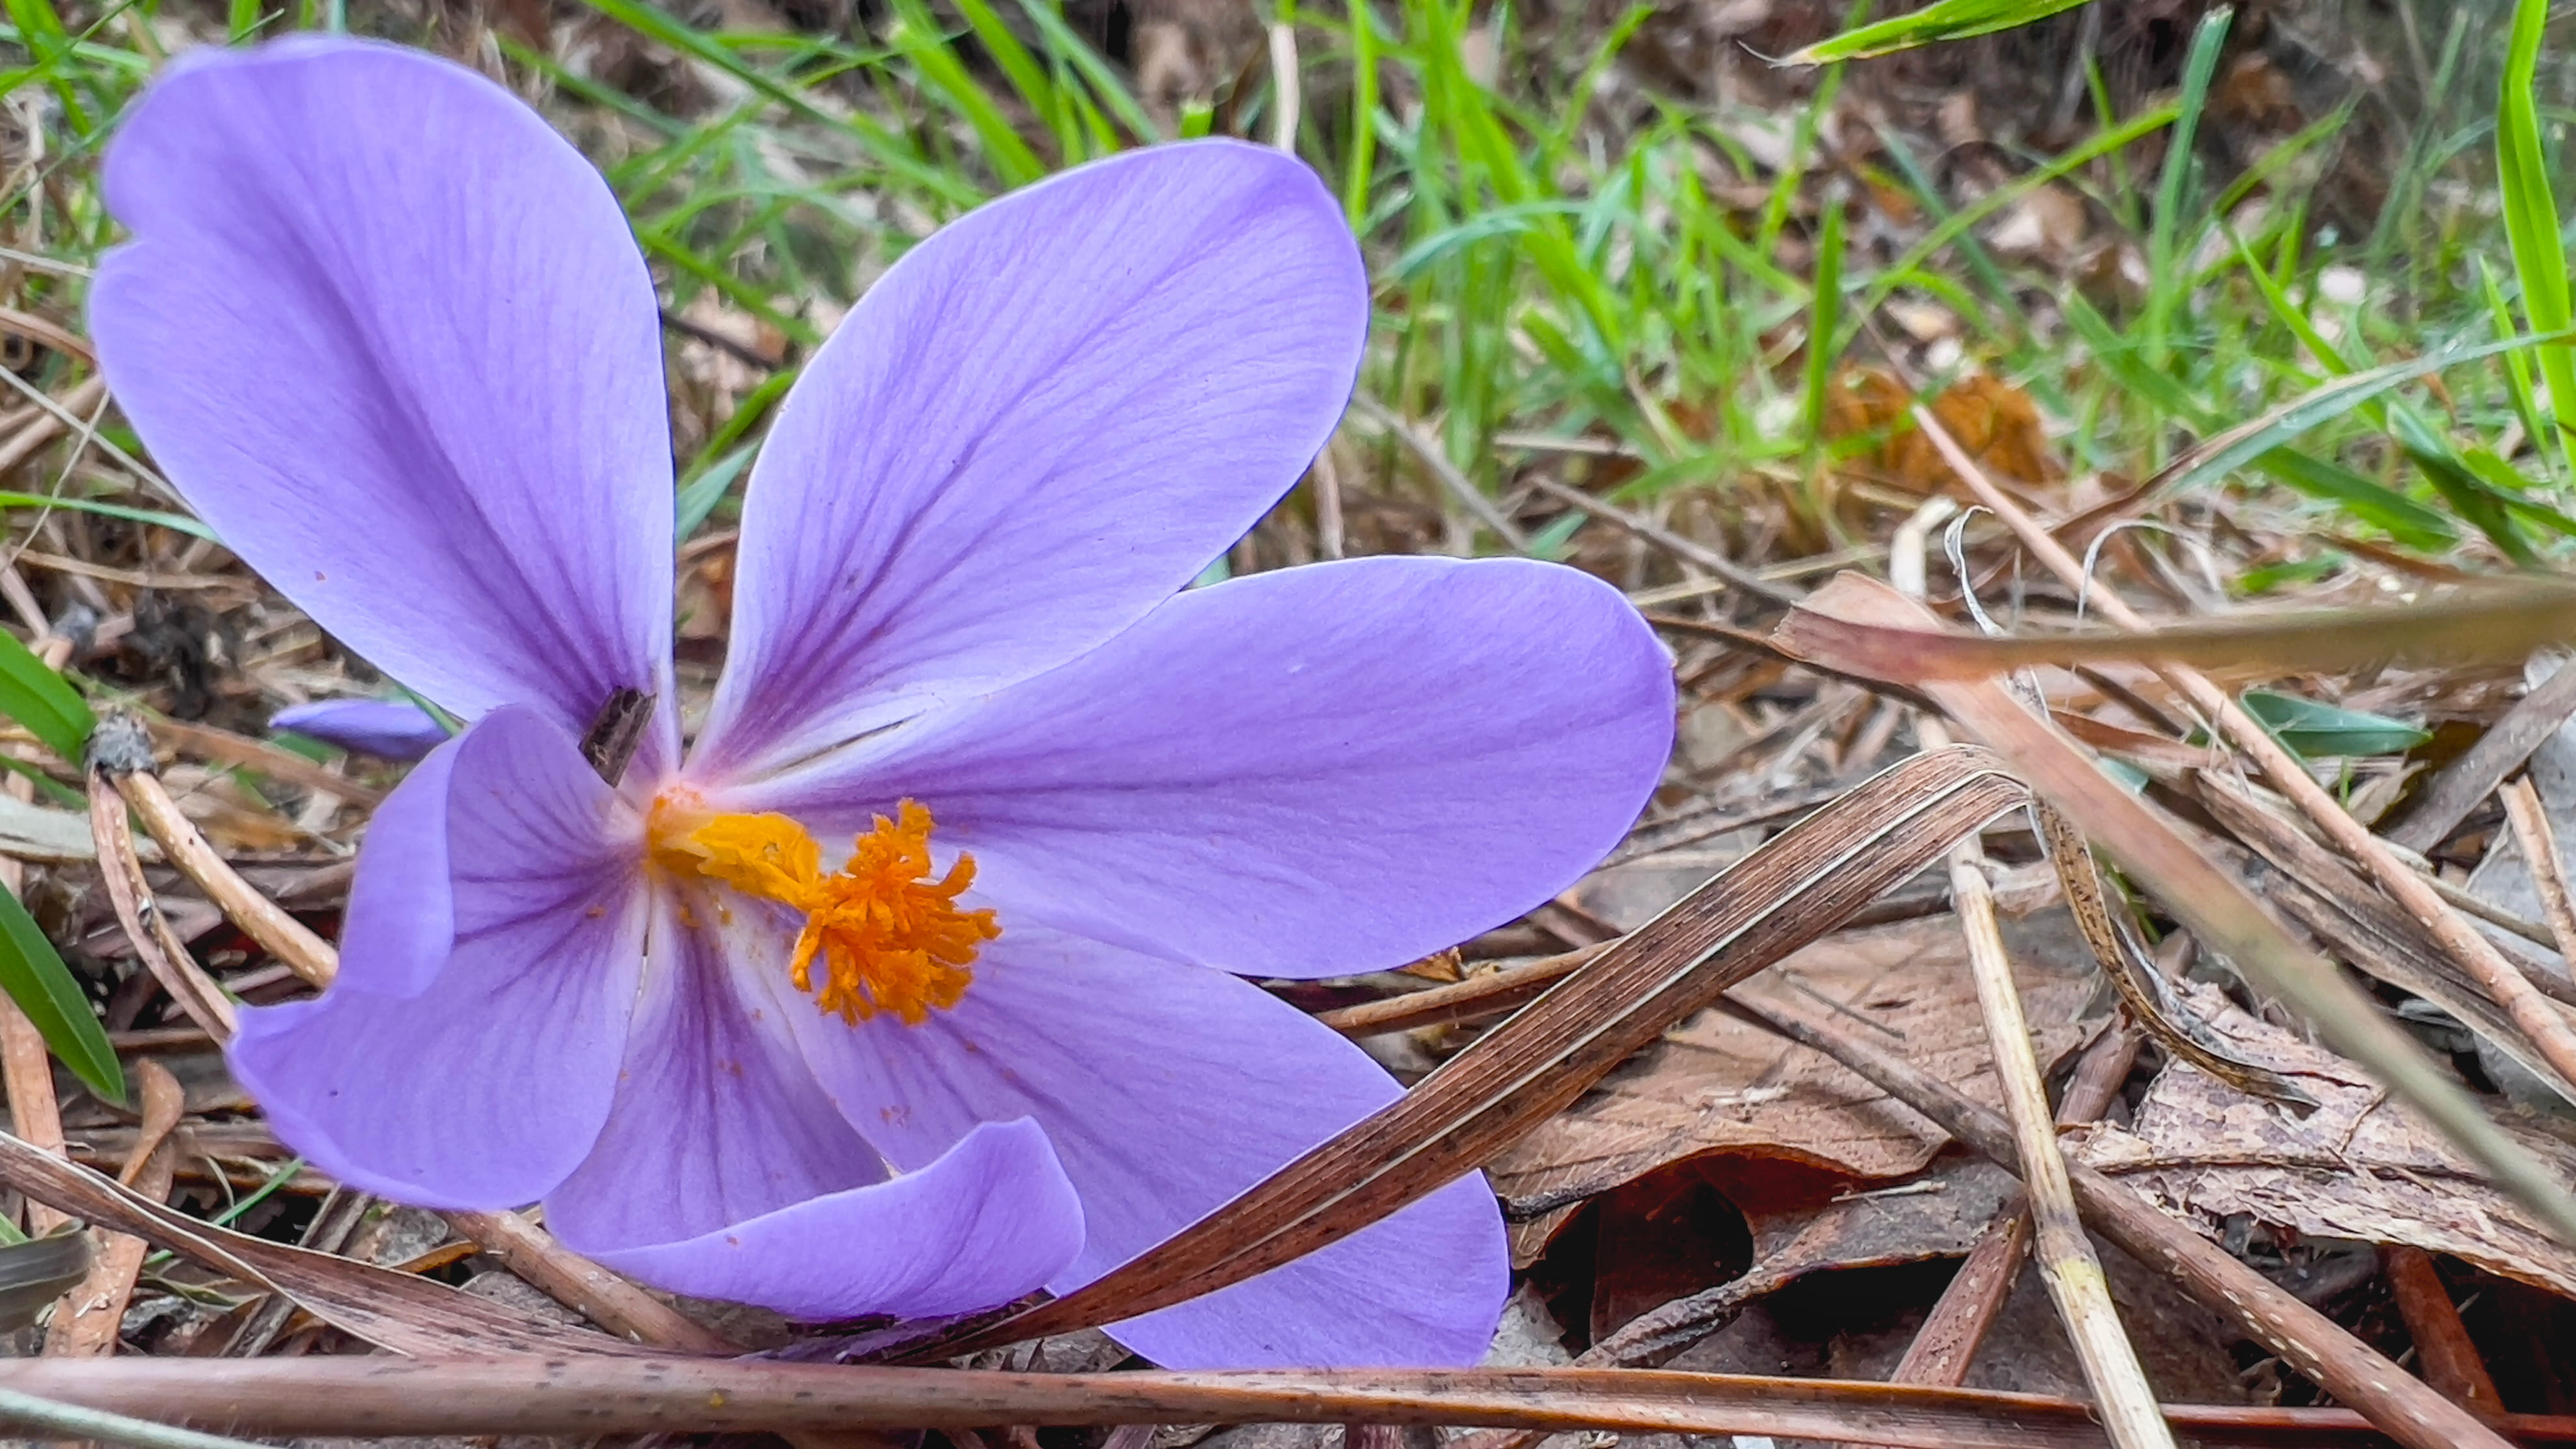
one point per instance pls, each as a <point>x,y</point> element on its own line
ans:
<point>2361,1166</point>
<point>1716,1085</point>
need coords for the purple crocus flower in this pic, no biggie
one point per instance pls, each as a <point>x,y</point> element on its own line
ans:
<point>389,729</point>
<point>913,984</point>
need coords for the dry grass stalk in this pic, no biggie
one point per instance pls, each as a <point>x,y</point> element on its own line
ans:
<point>2539,845</point>
<point>2067,1264</point>
<point>337,1395</point>
<point>585,1287</point>
<point>2396,1403</point>
<point>1946,1345</point>
<point>2548,1031</point>
<point>2065,1256</point>
<point>162,952</point>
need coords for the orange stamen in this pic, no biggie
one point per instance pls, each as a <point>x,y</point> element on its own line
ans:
<point>889,937</point>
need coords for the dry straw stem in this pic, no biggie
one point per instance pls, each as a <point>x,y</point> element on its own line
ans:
<point>2396,1403</point>
<point>163,953</point>
<point>2067,1264</point>
<point>1946,1345</point>
<point>2539,845</point>
<point>338,1395</point>
<point>2065,1256</point>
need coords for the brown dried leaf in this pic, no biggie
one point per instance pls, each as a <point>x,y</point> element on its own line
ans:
<point>2361,1166</point>
<point>1718,1085</point>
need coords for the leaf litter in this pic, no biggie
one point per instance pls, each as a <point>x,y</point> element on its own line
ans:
<point>1711,1162</point>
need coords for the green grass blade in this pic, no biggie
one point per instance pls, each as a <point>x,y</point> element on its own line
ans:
<point>2171,279</point>
<point>1946,20</point>
<point>2530,211</point>
<point>944,75</point>
<point>34,975</point>
<point>2218,456</point>
<point>38,698</point>
<point>1824,320</point>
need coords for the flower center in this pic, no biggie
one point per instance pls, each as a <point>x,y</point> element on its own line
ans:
<point>888,936</point>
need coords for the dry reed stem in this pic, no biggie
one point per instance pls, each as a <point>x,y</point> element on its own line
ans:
<point>163,953</point>
<point>384,1395</point>
<point>2064,1255</point>
<point>2539,843</point>
<point>585,1287</point>
<point>2548,1031</point>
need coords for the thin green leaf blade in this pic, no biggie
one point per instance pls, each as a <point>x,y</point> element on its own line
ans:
<point>33,974</point>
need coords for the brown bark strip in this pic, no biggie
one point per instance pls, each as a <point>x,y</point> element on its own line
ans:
<point>379,1396</point>
<point>2396,1403</point>
<point>1796,887</point>
<point>1491,994</point>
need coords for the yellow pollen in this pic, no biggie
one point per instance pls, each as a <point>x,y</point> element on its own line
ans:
<point>888,936</point>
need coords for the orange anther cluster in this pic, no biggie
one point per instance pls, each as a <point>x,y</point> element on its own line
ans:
<point>889,937</point>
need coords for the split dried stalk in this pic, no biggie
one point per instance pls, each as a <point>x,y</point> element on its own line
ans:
<point>2539,845</point>
<point>163,953</point>
<point>585,1287</point>
<point>1491,994</point>
<point>2396,1403</point>
<point>85,1325</point>
<point>280,934</point>
<point>1797,886</point>
<point>2549,1033</point>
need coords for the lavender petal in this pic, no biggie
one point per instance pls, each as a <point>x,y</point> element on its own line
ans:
<point>389,335</point>
<point>1307,773</point>
<point>725,1172</point>
<point>465,1056</point>
<point>1168,1090</point>
<point>1042,422</point>
<point>388,729</point>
